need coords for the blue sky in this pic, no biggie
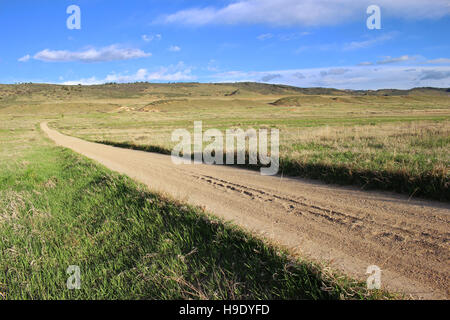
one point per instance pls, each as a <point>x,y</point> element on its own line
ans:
<point>306,43</point>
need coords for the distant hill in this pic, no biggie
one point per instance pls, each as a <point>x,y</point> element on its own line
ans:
<point>177,90</point>
<point>428,91</point>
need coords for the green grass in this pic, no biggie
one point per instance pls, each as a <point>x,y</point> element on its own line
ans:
<point>412,159</point>
<point>388,139</point>
<point>59,209</point>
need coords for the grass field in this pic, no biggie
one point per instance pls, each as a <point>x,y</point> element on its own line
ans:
<point>59,209</point>
<point>387,140</point>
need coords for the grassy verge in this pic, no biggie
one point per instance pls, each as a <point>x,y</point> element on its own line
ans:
<point>432,184</point>
<point>59,209</point>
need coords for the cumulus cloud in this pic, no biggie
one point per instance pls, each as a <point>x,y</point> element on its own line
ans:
<point>178,72</point>
<point>24,58</point>
<point>111,53</point>
<point>304,12</point>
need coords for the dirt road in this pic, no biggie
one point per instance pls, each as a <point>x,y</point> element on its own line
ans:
<point>349,228</point>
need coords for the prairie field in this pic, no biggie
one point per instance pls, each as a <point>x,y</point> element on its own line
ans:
<point>57,207</point>
<point>390,140</point>
<point>257,153</point>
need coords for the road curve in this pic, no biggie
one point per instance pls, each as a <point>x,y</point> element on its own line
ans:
<point>348,228</point>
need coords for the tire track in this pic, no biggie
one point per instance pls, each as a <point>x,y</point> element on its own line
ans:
<point>348,228</point>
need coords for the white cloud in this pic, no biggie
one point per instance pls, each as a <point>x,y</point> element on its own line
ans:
<point>174,48</point>
<point>264,36</point>
<point>270,77</point>
<point>293,36</point>
<point>24,58</point>
<point>299,75</point>
<point>351,77</point>
<point>439,61</point>
<point>389,60</point>
<point>86,82</point>
<point>149,38</point>
<point>366,63</point>
<point>434,75</point>
<point>111,53</point>
<point>305,12</point>
<point>178,72</point>
<point>333,72</point>
<point>355,45</point>
<point>369,42</point>
<point>212,66</point>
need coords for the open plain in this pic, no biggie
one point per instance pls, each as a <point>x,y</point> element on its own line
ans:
<point>385,153</point>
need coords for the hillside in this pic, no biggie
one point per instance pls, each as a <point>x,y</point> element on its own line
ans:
<point>173,90</point>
